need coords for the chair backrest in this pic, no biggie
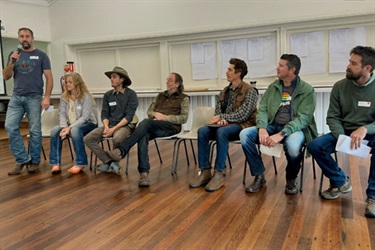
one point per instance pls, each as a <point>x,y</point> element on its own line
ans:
<point>202,116</point>
<point>49,120</point>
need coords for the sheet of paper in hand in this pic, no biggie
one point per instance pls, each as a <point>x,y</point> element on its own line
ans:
<point>276,151</point>
<point>343,145</point>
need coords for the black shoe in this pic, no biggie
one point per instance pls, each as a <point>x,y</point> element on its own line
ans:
<point>258,183</point>
<point>291,186</point>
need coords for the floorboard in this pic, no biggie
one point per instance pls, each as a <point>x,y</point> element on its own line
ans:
<point>107,211</point>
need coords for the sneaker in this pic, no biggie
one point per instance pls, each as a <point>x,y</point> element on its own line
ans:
<point>144,181</point>
<point>202,178</point>
<point>115,154</point>
<point>115,167</point>
<point>216,182</point>
<point>102,168</point>
<point>18,168</point>
<point>258,183</point>
<point>334,192</point>
<point>33,168</point>
<point>291,186</point>
<point>370,208</point>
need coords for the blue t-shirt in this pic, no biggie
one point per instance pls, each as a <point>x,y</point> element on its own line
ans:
<point>28,72</point>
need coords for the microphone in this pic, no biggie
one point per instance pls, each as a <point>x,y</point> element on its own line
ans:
<point>19,48</point>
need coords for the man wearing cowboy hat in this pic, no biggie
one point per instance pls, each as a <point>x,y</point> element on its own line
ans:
<point>118,110</point>
<point>166,114</point>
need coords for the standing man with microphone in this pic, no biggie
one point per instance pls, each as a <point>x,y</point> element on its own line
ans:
<point>27,65</point>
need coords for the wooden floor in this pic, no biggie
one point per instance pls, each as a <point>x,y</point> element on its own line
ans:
<point>106,211</point>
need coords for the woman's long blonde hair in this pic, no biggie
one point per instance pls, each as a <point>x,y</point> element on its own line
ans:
<point>80,87</point>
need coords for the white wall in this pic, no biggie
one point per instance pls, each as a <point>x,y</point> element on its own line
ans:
<point>15,15</point>
<point>85,21</point>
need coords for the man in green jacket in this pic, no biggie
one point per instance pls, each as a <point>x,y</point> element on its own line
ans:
<point>285,115</point>
<point>351,112</point>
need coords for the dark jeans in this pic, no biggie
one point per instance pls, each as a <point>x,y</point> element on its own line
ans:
<point>321,149</point>
<point>147,130</point>
<point>222,135</point>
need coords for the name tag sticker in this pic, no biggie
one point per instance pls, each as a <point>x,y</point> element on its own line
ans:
<point>112,104</point>
<point>364,104</point>
<point>34,57</point>
<point>79,107</point>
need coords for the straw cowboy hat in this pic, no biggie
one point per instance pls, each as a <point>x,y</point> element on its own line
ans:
<point>121,72</point>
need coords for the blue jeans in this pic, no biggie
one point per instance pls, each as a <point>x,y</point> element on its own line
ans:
<point>148,129</point>
<point>222,135</point>
<point>76,134</point>
<point>17,107</point>
<point>292,147</point>
<point>321,149</point>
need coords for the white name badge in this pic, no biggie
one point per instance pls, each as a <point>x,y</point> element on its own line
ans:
<point>364,104</point>
<point>34,57</point>
<point>79,107</point>
<point>112,104</point>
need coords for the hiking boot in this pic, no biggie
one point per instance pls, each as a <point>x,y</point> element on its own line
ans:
<point>291,186</point>
<point>334,192</point>
<point>370,208</point>
<point>216,182</point>
<point>102,168</point>
<point>115,154</point>
<point>18,168</point>
<point>33,168</point>
<point>202,178</point>
<point>115,167</point>
<point>259,182</point>
<point>144,181</point>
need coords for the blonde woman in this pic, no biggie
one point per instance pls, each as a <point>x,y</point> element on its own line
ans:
<point>76,120</point>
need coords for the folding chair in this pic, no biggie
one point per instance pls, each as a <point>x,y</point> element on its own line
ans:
<point>202,116</point>
<point>49,120</point>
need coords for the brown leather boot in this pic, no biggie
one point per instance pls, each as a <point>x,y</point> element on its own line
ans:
<point>34,168</point>
<point>202,178</point>
<point>144,181</point>
<point>216,182</point>
<point>18,168</point>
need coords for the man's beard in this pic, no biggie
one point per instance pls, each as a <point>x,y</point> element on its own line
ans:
<point>26,45</point>
<point>351,76</point>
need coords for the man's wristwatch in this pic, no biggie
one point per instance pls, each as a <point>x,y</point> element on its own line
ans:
<point>283,133</point>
